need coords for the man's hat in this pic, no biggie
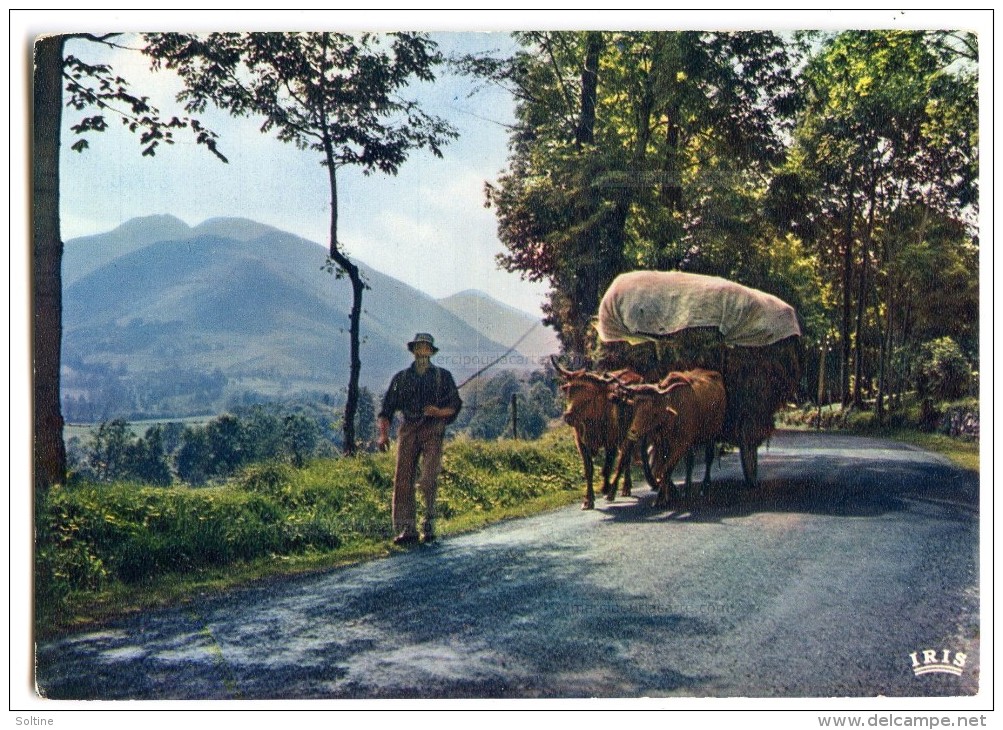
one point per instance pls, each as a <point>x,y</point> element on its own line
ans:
<point>423,337</point>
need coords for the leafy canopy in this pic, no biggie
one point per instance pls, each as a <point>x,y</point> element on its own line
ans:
<point>320,91</point>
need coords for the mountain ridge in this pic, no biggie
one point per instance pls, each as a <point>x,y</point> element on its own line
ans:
<point>509,325</point>
<point>164,317</point>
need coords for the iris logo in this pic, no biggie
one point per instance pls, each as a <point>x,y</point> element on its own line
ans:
<point>931,661</point>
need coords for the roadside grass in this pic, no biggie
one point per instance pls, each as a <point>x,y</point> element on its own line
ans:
<point>107,550</point>
<point>908,425</point>
<point>961,452</point>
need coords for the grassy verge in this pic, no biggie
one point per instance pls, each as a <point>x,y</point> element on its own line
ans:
<point>963,453</point>
<point>909,425</point>
<point>106,550</point>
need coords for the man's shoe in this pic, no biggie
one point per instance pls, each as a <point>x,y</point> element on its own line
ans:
<point>406,538</point>
<point>428,537</point>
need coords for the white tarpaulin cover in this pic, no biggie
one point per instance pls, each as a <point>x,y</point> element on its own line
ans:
<point>641,306</point>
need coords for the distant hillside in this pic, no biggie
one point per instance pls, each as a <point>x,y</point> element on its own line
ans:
<point>505,324</point>
<point>161,319</point>
<point>89,253</point>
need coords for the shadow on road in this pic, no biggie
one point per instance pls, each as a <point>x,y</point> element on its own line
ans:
<point>816,474</point>
<point>434,623</point>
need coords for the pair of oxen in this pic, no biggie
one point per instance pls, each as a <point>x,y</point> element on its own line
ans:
<point>612,413</point>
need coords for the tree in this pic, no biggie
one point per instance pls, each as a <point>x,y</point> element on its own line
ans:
<point>300,435</point>
<point>88,88</point>
<point>330,93</point>
<point>192,458</point>
<point>262,433</point>
<point>884,155</point>
<point>109,451</point>
<point>366,416</point>
<point>631,170</point>
<point>227,441</point>
<point>47,283</point>
<point>942,369</point>
<point>146,459</point>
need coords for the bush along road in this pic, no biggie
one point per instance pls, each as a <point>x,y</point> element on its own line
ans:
<point>852,570</point>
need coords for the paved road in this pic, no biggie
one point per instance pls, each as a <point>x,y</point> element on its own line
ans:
<point>851,555</point>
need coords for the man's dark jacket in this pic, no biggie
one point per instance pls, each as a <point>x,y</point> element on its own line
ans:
<point>410,392</point>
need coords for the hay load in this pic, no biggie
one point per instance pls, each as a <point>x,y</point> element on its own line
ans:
<point>655,322</point>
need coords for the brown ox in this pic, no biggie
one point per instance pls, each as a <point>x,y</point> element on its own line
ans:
<point>683,410</point>
<point>599,422</point>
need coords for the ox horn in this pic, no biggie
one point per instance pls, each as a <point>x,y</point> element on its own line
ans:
<point>564,371</point>
<point>622,392</point>
<point>665,389</point>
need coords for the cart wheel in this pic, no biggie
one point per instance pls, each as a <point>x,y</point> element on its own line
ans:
<point>750,464</point>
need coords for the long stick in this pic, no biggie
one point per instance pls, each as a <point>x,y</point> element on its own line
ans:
<point>502,357</point>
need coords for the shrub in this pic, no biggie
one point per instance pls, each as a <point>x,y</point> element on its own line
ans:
<point>942,370</point>
<point>960,420</point>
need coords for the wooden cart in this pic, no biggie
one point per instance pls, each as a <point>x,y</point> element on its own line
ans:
<point>655,322</point>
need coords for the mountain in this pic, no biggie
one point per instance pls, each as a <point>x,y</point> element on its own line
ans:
<point>89,253</point>
<point>533,341</point>
<point>160,318</point>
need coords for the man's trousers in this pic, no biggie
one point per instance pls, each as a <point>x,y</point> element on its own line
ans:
<point>419,456</point>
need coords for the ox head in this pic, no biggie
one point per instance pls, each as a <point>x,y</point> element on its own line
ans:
<point>589,393</point>
<point>652,405</point>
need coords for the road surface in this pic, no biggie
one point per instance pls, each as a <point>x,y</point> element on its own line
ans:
<point>852,558</point>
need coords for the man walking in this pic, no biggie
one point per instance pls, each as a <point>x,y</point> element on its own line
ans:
<point>427,397</point>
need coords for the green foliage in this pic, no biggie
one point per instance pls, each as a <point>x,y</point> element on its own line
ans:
<point>487,409</point>
<point>942,370</point>
<point>327,92</point>
<point>665,150</point>
<point>147,459</point>
<point>478,476</point>
<point>97,88</point>
<point>649,162</point>
<point>300,436</point>
<point>199,453</point>
<point>108,451</point>
<point>881,183</point>
<point>192,459</point>
<point>113,454</point>
<point>93,537</point>
<point>365,417</point>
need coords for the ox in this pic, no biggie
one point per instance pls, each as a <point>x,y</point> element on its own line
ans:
<point>600,423</point>
<point>683,410</point>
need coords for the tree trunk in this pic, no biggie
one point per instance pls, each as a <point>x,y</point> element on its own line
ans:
<point>355,316</point>
<point>671,189</point>
<point>885,357</point>
<point>865,253</point>
<point>847,286</point>
<point>47,254</point>
<point>585,134</point>
<point>585,300</point>
<point>610,260</point>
